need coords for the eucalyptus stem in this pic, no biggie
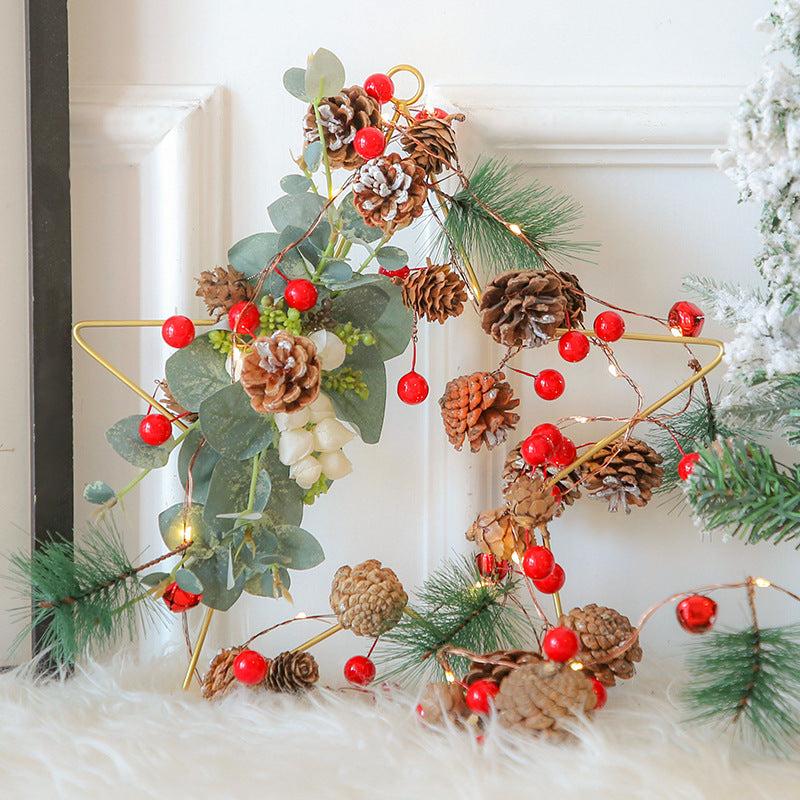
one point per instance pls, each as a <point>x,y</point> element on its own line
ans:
<point>251,497</point>
<point>385,238</point>
<point>321,134</point>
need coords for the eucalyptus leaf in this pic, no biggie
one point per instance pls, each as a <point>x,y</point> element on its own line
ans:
<point>294,81</point>
<point>213,574</point>
<point>263,539</point>
<point>229,492</point>
<point>324,74</point>
<point>301,549</point>
<point>352,225</point>
<point>312,155</point>
<point>393,328</point>
<point>363,305</point>
<point>195,372</point>
<point>254,253</point>
<point>231,426</point>
<point>196,451</point>
<point>98,492</point>
<point>188,581</point>
<point>355,281</point>
<point>336,273</point>
<point>291,234</point>
<point>124,437</point>
<point>295,184</point>
<point>153,578</point>
<point>285,506</point>
<point>261,584</point>
<point>175,528</point>
<point>298,211</point>
<point>392,258</point>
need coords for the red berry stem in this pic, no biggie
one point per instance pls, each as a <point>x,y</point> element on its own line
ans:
<point>280,273</point>
<point>369,654</point>
<point>522,372</point>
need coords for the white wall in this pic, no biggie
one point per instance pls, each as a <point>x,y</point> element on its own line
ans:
<point>653,223</point>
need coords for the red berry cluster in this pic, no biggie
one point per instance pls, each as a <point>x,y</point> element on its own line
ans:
<point>547,445</point>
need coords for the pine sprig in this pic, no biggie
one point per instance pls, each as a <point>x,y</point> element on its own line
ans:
<point>772,404</point>
<point>545,217</point>
<point>749,677</point>
<point>83,596</point>
<point>456,606</point>
<point>738,487</point>
<point>727,302</point>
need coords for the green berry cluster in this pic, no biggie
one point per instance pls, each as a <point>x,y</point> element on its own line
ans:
<point>344,380</point>
<point>320,487</point>
<point>351,336</point>
<point>275,318</point>
<point>221,340</point>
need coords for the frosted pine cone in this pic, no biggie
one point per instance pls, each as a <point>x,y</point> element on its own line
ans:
<point>478,407</point>
<point>222,289</point>
<point>435,292</point>
<point>576,302</point>
<point>624,472</point>
<point>389,192</point>
<point>442,700</point>
<point>368,599</point>
<point>281,373</point>
<point>600,631</point>
<point>523,308</point>
<point>342,116</point>
<point>219,679</point>
<point>432,143</point>
<point>292,672</point>
<point>495,532</point>
<point>495,672</point>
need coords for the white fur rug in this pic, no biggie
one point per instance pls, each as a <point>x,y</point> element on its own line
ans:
<point>124,731</point>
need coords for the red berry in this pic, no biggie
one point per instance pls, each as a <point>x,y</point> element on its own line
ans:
<point>178,600</point>
<point>438,113</point>
<point>697,613</point>
<point>549,384</point>
<point>485,563</point>
<point>243,317</point>
<point>412,388</point>
<point>599,692</point>
<point>250,667</point>
<point>573,346</point>
<point>609,326</point>
<point>564,454</point>
<point>536,450</point>
<point>359,670</point>
<point>550,432</point>
<point>502,570</point>
<point>480,696</point>
<point>686,319</point>
<point>177,331</point>
<point>379,86</point>
<point>300,294</point>
<point>553,582</point>
<point>686,465</point>
<point>538,562</point>
<point>401,273</point>
<point>155,429</point>
<point>420,711</point>
<point>560,644</point>
<point>369,143</point>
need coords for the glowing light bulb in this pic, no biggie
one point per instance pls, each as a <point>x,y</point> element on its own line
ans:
<point>576,666</point>
<point>515,557</point>
<point>762,583</point>
<point>449,677</point>
<point>613,371</point>
<point>676,331</point>
<point>301,615</point>
<point>515,229</point>
<point>582,420</point>
<point>187,533</point>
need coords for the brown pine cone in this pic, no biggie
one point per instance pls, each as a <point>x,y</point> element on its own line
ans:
<point>515,465</point>
<point>442,700</point>
<point>435,292</point>
<point>432,143</point>
<point>531,505</point>
<point>495,672</point>
<point>523,308</point>
<point>478,407</point>
<point>389,192</point>
<point>538,697</point>
<point>342,116</point>
<point>292,672</point>
<point>222,289</point>
<point>600,631</point>
<point>367,598</point>
<point>168,401</point>
<point>281,373</point>
<point>219,679</point>
<point>624,472</point>
<point>495,532</point>
<point>576,302</point>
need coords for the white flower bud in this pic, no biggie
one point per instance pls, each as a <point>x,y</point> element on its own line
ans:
<point>330,349</point>
<point>289,422</point>
<point>335,465</point>
<point>321,408</point>
<point>330,435</point>
<point>234,363</point>
<point>295,445</point>
<point>306,472</point>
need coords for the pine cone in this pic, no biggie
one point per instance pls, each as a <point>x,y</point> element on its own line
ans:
<point>624,472</point>
<point>292,672</point>
<point>478,407</point>
<point>281,373</point>
<point>431,143</point>
<point>222,289</point>
<point>576,302</point>
<point>495,532</point>
<point>523,308</point>
<point>530,503</point>
<point>342,116</point>
<point>443,700</point>
<point>219,679</point>
<point>538,697</point>
<point>389,192</point>
<point>368,599</point>
<point>168,401</point>
<point>600,631</point>
<point>482,671</point>
<point>435,292</point>
<point>568,487</point>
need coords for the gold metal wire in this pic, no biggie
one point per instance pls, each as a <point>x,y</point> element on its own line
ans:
<point>198,646</point>
<point>320,637</point>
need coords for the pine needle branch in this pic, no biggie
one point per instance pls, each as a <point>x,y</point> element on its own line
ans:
<point>726,302</point>
<point>769,405</point>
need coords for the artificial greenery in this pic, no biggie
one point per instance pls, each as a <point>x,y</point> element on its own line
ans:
<point>773,404</point>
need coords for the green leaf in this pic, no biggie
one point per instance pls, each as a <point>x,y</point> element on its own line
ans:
<point>353,227</point>
<point>229,492</point>
<point>392,258</point>
<point>261,584</point>
<point>213,574</point>
<point>297,211</point>
<point>285,506</point>
<point>362,306</point>
<point>312,155</point>
<point>171,524</point>
<point>98,492</point>
<point>336,272</point>
<point>124,437</point>
<point>365,415</point>
<point>153,578</point>
<point>355,281</point>
<point>195,372</point>
<point>294,81</point>
<point>205,459</point>
<point>295,184</point>
<point>188,581</point>
<point>291,234</point>
<point>253,253</point>
<point>231,426</point>
<point>324,74</point>
<point>300,549</point>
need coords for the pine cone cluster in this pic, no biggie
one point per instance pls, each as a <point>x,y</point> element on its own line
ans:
<point>219,679</point>
<point>281,373</point>
<point>432,143</point>
<point>435,292</point>
<point>625,472</point>
<point>478,408</point>
<point>495,532</point>
<point>368,599</point>
<point>523,308</point>
<point>601,630</point>
<point>342,116</point>
<point>515,466</point>
<point>575,299</point>
<point>443,700</point>
<point>222,289</point>
<point>497,665</point>
<point>292,672</point>
<point>389,192</point>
